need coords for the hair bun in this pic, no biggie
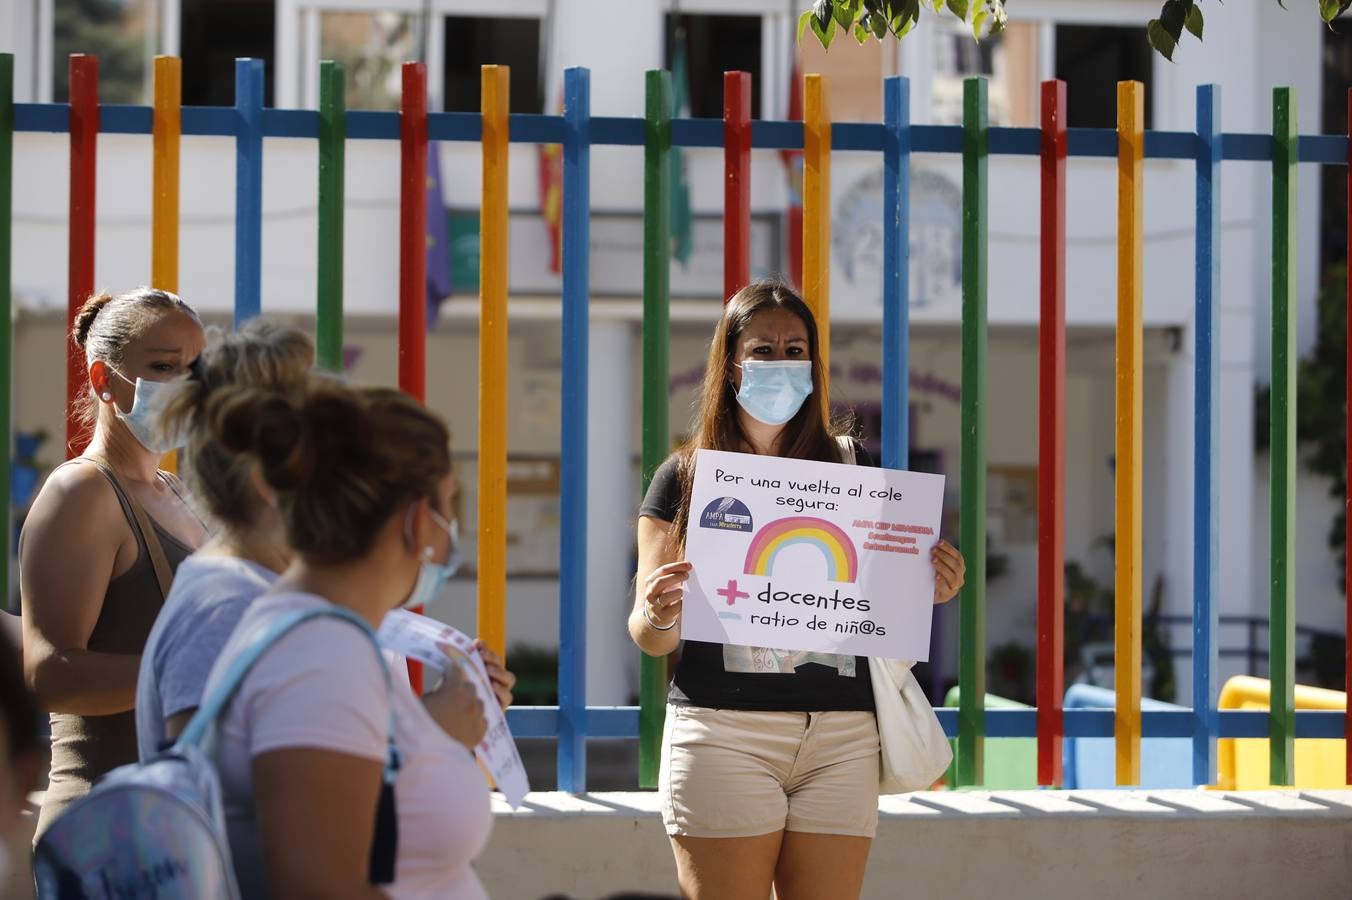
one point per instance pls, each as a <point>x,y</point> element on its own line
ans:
<point>267,425</point>
<point>84,319</point>
<point>339,430</point>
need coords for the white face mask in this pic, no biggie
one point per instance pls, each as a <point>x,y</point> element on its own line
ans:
<point>147,409</point>
<point>773,391</point>
<point>432,576</point>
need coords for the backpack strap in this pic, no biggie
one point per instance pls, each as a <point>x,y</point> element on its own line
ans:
<point>384,846</point>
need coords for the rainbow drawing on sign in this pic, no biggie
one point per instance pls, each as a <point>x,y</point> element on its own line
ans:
<point>842,561</point>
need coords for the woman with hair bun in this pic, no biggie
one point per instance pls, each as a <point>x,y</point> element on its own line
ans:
<point>363,483</point>
<point>105,534</point>
<point>214,586</point>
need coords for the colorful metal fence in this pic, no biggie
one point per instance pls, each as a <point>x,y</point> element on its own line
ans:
<point>572,722</point>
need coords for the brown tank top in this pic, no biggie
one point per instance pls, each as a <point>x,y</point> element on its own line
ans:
<point>86,747</point>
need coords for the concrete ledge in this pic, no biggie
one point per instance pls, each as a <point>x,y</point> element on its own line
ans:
<point>1010,845</point>
<point>1005,845</point>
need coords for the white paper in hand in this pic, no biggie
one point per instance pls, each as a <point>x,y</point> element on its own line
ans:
<point>440,646</point>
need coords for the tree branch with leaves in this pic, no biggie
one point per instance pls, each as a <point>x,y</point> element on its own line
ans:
<point>876,19</point>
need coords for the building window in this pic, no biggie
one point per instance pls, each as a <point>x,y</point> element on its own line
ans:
<point>116,32</point>
<point>1092,59</point>
<point>372,48</point>
<point>214,35</point>
<point>476,41</point>
<point>715,44</point>
<point>1009,63</point>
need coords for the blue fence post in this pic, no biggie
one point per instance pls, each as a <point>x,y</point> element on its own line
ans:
<point>1205,622</point>
<point>572,759</point>
<point>896,272</point>
<point>248,189</point>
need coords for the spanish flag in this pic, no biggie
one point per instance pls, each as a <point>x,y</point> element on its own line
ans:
<point>551,195</point>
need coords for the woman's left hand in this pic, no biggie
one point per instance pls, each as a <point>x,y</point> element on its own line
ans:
<point>949,571</point>
<point>501,679</point>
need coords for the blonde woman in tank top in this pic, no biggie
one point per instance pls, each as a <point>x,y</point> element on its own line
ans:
<point>103,538</point>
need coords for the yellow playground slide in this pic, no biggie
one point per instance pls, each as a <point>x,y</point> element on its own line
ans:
<point>1242,764</point>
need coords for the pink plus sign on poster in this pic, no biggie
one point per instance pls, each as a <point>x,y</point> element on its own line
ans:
<point>731,592</point>
<point>811,556</point>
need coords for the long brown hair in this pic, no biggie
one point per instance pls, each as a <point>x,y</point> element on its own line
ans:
<point>810,434</point>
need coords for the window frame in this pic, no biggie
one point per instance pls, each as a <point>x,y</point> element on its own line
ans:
<point>777,50</point>
<point>37,84</point>
<point>917,59</point>
<point>297,42</point>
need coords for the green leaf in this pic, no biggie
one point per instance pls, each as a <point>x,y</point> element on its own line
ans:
<point>908,17</point>
<point>1160,39</point>
<point>861,30</point>
<point>958,8</point>
<point>802,25</point>
<point>825,34</point>
<point>821,14</point>
<point>978,20</point>
<point>878,23</point>
<point>1195,21</point>
<point>846,11</point>
<point>1331,9</point>
<point>1172,18</point>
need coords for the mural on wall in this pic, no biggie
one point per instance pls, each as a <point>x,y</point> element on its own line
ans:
<point>935,245</point>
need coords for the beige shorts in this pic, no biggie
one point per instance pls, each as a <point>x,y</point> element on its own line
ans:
<point>732,773</point>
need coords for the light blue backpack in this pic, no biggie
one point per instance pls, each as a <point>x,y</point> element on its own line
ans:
<point>156,829</point>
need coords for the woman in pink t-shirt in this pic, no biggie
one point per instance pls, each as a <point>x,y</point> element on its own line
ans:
<point>363,481</point>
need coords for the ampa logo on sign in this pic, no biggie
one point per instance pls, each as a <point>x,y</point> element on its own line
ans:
<point>727,514</point>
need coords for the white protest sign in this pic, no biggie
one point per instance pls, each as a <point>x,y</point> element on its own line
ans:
<point>811,556</point>
<point>440,646</point>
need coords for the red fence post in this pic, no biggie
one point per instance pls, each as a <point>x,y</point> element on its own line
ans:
<point>1051,438</point>
<point>84,135</point>
<point>736,182</point>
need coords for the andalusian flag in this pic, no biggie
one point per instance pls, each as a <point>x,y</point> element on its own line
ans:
<point>682,226</point>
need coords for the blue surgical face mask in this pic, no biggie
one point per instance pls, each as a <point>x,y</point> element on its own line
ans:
<point>432,576</point>
<point>147,411</point>
<point>773,391</point>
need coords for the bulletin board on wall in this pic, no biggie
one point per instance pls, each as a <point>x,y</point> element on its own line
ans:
<point>1011,503</point>
<point>532,514</point>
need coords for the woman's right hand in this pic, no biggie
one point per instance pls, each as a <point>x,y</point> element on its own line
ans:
<point>456,707</point>
<point>664,593</point>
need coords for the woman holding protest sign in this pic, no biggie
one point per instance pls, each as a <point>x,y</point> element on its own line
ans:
<point>770,769</point>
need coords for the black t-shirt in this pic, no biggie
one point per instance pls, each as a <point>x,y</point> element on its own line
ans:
<point>724,676</point>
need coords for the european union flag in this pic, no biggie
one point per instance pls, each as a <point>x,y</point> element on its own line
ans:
<point>438,239</point>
